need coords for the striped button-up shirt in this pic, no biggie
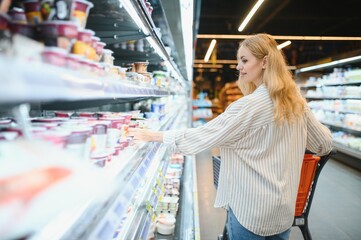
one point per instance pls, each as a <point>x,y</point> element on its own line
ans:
<point>261,162</point>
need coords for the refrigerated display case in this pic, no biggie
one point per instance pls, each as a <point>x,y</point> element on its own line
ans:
<point>114,201</point>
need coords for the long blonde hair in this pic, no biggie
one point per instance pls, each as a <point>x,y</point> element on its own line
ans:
<point>288,102</point>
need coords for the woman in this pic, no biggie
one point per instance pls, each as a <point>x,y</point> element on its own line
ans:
<point>262,139</point>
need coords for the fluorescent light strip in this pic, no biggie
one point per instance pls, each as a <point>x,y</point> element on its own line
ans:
<point>186,10</point>
<point>233,63</point>
<point>208,65</point>
<point>156,47</point>
<point>219,61</point>
<point>210,50</point>
<point>323,65</point>
<point>284,44</point>
<point>280,37</point>
<point>134,15</point>
<point>250,15</point>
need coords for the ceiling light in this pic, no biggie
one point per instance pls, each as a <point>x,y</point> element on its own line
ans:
<point>333,63</point>
<point>280,37</point>
<point>218,61</point>
<point>208,66</point>
<point>250,15</point>
<point>210,49</point>
<point>284,44</point>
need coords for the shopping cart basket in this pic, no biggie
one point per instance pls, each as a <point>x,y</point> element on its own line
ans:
<point>311,169</point>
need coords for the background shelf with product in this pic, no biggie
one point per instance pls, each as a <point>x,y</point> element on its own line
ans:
<point>202,110</point>
<point>334,95</point>
<point>70,89</point>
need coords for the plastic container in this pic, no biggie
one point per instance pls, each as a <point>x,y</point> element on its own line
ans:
<point>73,61</point>
<point>83,44</point>
<point>23,29</point>
<point>85,35</point>
<point>307,174</point>
<point>100,158</point>
<point>61,114</point>
<point>107,57</point>
<point>61,10</point>
<point>99,47</point>
<point>80,12</point>
<point>32,11</point>
<point>59,137</point>
<point>4,21</point>
<point>141,67</point>
<point>166,224</point>
<point>17,15</point>
<point>55,56</point>
<point>58,33</point>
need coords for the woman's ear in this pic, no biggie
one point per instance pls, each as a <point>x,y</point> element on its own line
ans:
<point>264,62</point>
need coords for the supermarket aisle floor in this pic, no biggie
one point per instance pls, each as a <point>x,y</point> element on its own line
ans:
<point>335,212</point>
<point>211,220</point>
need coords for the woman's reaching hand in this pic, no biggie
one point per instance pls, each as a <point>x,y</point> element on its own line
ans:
<point>144,135</point>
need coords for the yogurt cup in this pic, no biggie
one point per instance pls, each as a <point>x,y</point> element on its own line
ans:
<point>99,158</point>
<point>4,21</point>
<point>32,11</point>
<point>85,35</point>
<point>141,67</point>
<point>107,57</point>
<point>55,56</point>
<point>73,61</point>
<point>58,33</point>
<point>23,29</point>
<point>58,138</point>
<point>17,15</point>
<point>99,47</point>
<point>80,12</point>
<point>62,9</point>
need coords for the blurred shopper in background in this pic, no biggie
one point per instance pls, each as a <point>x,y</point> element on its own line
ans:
<point>262,139</point>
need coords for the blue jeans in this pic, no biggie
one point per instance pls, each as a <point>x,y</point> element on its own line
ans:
<point>237,232</point>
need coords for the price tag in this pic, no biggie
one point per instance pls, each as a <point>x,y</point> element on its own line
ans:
<point>154,190</point>
<point>148,207</point>
<point>158,182</point>
<point>154,218</point>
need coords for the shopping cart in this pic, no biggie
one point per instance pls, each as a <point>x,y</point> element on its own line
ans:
<point>311,169</point>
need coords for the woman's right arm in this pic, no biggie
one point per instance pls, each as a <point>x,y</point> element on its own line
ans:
<point>319,137</point>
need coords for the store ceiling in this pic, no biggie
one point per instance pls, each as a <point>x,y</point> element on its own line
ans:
<point>277,17</point>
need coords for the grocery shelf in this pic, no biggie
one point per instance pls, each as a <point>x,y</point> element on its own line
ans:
<point>349,83</point>
<point>335,127</point>
<point>338,111</point>
<point>112,23</point>
<point>141,218</point>
<point>100,219</point>
<point>189,227</point>
<point>332,98</point>
<point>127,56</point>
<point>202,118</point>
<point>345,149</point>
<point>24,81</point>
<point>55,88</point>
